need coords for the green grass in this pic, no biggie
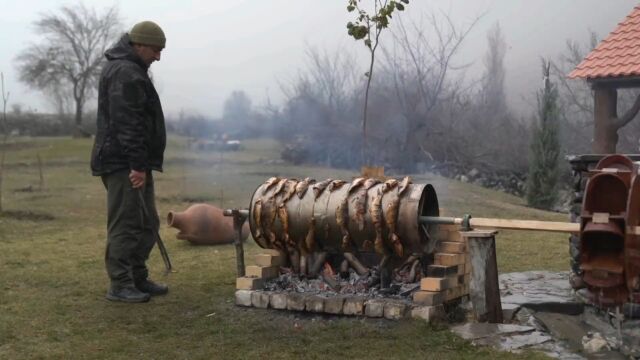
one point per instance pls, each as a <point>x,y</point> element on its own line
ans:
<point>52,278</point>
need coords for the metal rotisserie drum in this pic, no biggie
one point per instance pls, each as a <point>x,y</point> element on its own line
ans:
<point>288,214</point>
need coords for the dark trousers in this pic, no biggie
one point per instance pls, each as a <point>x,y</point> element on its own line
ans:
<point>130,230</point>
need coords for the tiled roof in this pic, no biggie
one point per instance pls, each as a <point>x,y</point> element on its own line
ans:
<point>616,56</point>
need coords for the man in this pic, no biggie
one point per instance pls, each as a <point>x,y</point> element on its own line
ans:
<point>129,144</point>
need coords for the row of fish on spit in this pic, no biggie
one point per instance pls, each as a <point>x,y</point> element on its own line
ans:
<point>271,200</point>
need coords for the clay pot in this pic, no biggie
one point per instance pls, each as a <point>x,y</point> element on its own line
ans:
<point>204,224</point>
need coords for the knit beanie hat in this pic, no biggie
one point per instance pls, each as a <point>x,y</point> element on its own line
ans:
<point>147,33</point>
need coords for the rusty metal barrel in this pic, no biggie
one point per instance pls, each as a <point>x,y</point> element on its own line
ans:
<point>316,210</point>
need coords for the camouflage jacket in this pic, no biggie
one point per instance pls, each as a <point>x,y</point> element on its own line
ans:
<point>130,124</point>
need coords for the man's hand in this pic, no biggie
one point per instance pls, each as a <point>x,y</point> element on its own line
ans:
<point>137,178</point>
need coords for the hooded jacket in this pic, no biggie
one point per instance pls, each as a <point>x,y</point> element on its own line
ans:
<point>130,123</point>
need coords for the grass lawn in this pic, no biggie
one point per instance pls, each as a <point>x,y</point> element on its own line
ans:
<point>52,277</point>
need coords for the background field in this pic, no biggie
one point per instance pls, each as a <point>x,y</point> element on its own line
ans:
<point>52,278</point>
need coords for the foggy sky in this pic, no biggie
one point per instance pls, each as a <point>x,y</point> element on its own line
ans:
<point>215,47</point>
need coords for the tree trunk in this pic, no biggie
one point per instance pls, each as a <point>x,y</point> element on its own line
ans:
<point>605,130</point>
<point>78,131</point>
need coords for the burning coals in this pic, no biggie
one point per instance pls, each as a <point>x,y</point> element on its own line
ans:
<point>330,283</point>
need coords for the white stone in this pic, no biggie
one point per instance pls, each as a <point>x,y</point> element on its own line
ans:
<point>428,313</point>
<point>374,308</point>
<point>243,297</point>
<point>278,301</point>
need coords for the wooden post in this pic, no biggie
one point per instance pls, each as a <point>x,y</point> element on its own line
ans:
<point>484,288</point>
<point>238,220</point>
<point>605,112</point>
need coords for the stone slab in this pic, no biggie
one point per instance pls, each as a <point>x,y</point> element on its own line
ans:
<point>243,297</point>
<point>514,342</point>
<point>278,301</point>
<point>333,305</point>
<point>314,304</point>
<point>260,299</point>
<point>295,301</point>
<point>473,331</point>
<point>374,308</point>
<point>395,310</point>
<point>353,306</point>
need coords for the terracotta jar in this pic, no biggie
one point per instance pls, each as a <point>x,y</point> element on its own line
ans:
<point>204,224</point>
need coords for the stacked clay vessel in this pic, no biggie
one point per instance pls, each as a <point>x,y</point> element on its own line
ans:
<point>204,224</point>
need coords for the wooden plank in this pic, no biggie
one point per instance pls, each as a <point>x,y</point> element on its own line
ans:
<point>533,225</point>
<point>438,284</point>
<point>428,298</point>
<point>442,271</point>
<point>449,259</point>
<point>454,293</point>
<point>265,272</point>
<point>451,247</point>
<point>464,279</point>
<point>553,226</point>
<point>248,283</point>
<point>268,260</point>
<point>454,236</point>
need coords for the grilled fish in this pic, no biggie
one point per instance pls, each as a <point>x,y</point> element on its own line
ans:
<point>375,211</point>
<point>284,220</point>
<point>404,185</point>
<point>280,186</point>
<point>371,182</point>
<point>270,183</point>
<point>257,218</point>
<point>271,213</point>
<point>342,218</point>
<point>389,185</point>
<point>357,182</point>
<point>336,184</point>
<point>319,187</point>
<point>360,205</point>
<point>310,239</point>
<point>302,186</point>
<point>391,218</point>
<point>289,190</point>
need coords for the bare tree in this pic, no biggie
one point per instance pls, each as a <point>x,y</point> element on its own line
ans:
<point>321,112</point>
<point>419,68</point>
<point>71,53</point>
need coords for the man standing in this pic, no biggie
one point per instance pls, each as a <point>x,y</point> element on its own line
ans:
<point>129,144</point>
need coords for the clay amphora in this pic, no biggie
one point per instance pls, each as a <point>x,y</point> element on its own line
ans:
<point>204,224</point>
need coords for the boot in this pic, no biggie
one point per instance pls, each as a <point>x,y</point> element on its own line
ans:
<point>128,294</point>
<point>151,287</point>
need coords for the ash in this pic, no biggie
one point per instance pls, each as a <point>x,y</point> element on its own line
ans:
<point>331,284</point>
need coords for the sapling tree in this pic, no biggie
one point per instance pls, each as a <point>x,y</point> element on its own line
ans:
<point>542,187</point>
<point>368,27</point>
